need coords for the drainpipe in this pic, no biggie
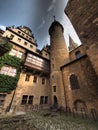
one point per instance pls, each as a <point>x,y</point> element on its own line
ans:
<point>64,88</point>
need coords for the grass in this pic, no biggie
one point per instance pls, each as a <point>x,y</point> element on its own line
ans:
<point>45,120</point>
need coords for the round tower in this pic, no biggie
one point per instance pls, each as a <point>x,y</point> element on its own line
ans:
<point>58,57</point>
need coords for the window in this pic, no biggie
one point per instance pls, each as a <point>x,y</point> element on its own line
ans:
<point>78,54</point>
<point>35,79</point>
<point>2,99</point>
<point>11,37</point>
<point>25,43</point>
<point>46,99</point>
<point>27,77</point>
<point>19,32</point>
<point>19,40</point>
<point>43,80</point>
<point>30,100</point>
<point>19,54</point>
<point>31,46</point>
<point>4,70</point>
<point>8,70</point>
<point>52,65</point>
<point>54,88</point>
<point>13,52</point>
<point>74,82</point>
<point>22,34</point>
<point>30,39</point>
<point>12,72</point>
<point>42,100</point>
<point>26,99</point>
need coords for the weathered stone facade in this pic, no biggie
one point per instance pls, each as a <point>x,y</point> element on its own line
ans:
<point>84,17</point>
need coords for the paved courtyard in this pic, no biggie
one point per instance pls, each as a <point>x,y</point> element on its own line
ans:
<point>45,120</point>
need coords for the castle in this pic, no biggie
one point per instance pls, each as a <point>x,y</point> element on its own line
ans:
<point>52,77</point>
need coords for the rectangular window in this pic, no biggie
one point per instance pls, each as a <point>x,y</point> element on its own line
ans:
<point>54,88</point>
<point>35,79</point>
<point>12,72</point>
<point>46,99</point>
<point>13,52</point>
<point>19,54</point>
<point>24,99</point>
<point>4,70</point>
<point>27,77</point>
<point>30,100</point>
<point>42,100</point>
<point>8,70</point>
<point>43,80</point>
<point>2,99</point>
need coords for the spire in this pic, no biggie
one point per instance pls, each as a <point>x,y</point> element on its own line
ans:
<point>72,44</point>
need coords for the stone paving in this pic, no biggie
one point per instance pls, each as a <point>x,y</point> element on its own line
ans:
<point>45,120</point>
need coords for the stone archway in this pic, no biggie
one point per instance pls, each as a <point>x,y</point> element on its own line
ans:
<point>80,104</point>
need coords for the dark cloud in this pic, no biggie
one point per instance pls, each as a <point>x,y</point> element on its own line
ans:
<point>36,14</point>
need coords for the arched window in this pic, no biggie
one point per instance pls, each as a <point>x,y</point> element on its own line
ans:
<point>74,82</point>
<point>78,54</point>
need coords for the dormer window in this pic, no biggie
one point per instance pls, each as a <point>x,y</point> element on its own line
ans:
<point>11,37</point>
<point>25,43</point>
<point>31,46</point>
<point>19,39</point>
<point>19,32</point>
<point>78,54</point>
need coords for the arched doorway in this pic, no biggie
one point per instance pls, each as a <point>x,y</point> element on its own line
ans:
<point>55,102</point>
<point>79,104</point>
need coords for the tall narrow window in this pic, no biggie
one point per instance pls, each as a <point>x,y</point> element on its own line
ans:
<point>2,99</point>
<point>35,79</point>
<point>78,54</point>
<point>74,82</point>
<point>54,88</point>
<point>27,77</point>
<point>42,100</point>
<point>24,99</point>
<point>30,100</point>
<point>19,54</point>
<point>43,80</point>
<point>46,100</point>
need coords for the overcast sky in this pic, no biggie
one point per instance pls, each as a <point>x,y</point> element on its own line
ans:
<point>37,15</point>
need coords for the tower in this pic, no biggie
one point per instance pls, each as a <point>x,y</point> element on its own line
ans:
<point>58,57</point>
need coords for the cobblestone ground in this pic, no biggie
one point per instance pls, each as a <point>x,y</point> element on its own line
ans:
<point>45,120</point>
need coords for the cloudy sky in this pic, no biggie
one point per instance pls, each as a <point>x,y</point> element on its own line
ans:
<point>38,16</point>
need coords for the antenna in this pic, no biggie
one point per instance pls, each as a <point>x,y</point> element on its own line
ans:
<point>54,18</point>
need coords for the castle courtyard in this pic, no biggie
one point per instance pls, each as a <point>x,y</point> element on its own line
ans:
<point>46,120</point>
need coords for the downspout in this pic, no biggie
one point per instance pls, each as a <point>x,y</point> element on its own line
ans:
<point>64,88</point>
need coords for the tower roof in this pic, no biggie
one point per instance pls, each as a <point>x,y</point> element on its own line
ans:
<point>72,44</point>
<point>55,23</point>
